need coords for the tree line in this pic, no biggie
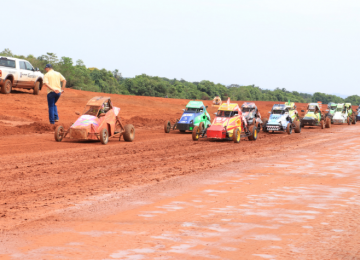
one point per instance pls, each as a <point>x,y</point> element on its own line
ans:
<point>78,76</point>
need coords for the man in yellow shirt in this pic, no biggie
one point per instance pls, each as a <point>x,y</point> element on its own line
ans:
<point>52,81</point>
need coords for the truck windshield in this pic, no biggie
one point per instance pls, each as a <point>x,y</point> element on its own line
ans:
<point>7,63</point>
<point>91,110</point>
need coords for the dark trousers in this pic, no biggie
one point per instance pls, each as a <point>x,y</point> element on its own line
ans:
<point>52,98</point>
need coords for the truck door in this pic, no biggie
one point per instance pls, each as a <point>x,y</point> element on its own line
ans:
<point>31,73</point>
<point>23,75</point>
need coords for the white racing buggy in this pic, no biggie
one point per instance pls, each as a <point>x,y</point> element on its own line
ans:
<point>281,120</point>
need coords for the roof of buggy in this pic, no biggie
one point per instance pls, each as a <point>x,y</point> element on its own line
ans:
<point>279,107</point>
<point>195,104</point>
<point>97,101</point>
<point>248,104</point>
<point>230,107</point>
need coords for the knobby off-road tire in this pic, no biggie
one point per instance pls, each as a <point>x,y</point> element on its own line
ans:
<point>348,121</point>
<point>254,133</point>
<point>297,127</point>
<point>354,120</point>
<point>129,134</point>
<point>236,135</point>
<point>289,128</point>
<point>167,126</point>
<point>6,88</point>
<point>36,88</point>
<point>201,126</point>
<point>196,133</point>
<point>264,124</point>
<point>322,124</point>
<point>104,136</point>
<point>59,133</point>
<point>328,122</point>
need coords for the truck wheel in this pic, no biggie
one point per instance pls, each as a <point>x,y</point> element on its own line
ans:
<point>59,133</point>
<point>36,88</point>
<point>297,127</point>
<point>328,122</point>
<point>348,121</point>
<point>289,128</point>
<point>253,133</point>
<point>129,134</point>
<point>167,127</point>
<point>236,135</point>
<point>264,125</point>
<point>196,133</point>
<point>6,88</point>
<point>322,124</point>
<point>354,120</point>
<point>104,136</point>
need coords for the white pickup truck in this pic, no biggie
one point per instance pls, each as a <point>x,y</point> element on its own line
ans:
<point>17,73</point>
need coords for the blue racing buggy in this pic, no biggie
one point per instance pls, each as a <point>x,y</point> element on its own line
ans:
<point>195,114</point>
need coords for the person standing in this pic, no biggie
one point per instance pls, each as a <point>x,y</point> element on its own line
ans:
<point>52,81</point>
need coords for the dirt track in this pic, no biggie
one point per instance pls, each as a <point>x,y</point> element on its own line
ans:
<point>41,180</point>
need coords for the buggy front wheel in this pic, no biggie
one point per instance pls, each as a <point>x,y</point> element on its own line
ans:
<point>59,133</point>
<point>167,126</point>
<point>237,135</point>
<point>196,133</point>
<point>253,133</point>
<point>129,134</point>
<point>289,128</point>
<point>104,136</point>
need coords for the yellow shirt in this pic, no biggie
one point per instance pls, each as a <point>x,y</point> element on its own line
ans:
<point>53,79</point>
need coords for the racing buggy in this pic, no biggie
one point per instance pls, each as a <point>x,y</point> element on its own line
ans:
<point>229,124</point>
<point>283,118</point>
<point>99,121</point>
<point>195,114</point>
<point>341,114</point>
<point>313,117</point>
<point>251,114</point>
<point>217,101</point>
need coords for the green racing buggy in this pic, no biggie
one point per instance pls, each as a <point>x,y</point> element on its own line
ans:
<point>195,114</point>
<point>313,117</point>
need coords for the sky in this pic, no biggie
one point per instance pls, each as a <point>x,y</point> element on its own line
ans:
<point>301,45</point>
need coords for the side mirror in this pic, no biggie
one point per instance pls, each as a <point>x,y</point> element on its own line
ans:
<point>102,114</point>
<point>269,112</point>
<point>302,110</point>
<point>215,113</point>
<point>37,69</point>
<point>183,109</point>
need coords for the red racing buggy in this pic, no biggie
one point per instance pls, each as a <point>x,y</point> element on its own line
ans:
<point>99,121</point>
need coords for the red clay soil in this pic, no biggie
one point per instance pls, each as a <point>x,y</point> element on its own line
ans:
<point>41,179</point>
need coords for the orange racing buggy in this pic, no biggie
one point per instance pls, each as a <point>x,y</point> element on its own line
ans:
<point>229,124</point>
<point>99,121</point>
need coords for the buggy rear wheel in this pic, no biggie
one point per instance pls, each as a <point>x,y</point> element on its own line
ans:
<point>104,136</point>
<point>129,134</point>
<point>237,135</point>
<point>297,127</point>
<point>348,121</point>
<point>354,120</point>
<point>201,126</point>
<point>59,133</point>
<point>289,128</point>
<point>328,122</point>
<point>322,124</point>
<point>196,133</point>
<point>167,126</point>
<point>253,133</point>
